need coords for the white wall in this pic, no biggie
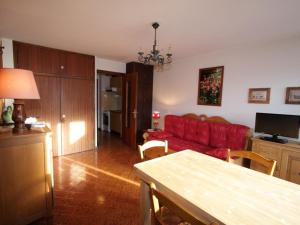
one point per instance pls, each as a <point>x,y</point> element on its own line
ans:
<point>8,54</point>
<point>8,61</point>
<point>276,65</point>
<point>110,65</point>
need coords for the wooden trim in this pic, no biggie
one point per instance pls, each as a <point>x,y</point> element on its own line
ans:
<point>203,117</point>
<point>287,100</point>
<point>221,86</point>
<point>109,73</point>
<point>267,101</point>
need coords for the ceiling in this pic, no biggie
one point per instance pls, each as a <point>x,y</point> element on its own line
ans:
<point>117,29</point>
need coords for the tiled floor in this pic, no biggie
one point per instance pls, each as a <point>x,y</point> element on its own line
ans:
<point>96,187</point>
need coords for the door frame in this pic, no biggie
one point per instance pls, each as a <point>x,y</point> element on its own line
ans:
<point>100,72</point>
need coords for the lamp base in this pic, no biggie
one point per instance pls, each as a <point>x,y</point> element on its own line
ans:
<point>19,116</point>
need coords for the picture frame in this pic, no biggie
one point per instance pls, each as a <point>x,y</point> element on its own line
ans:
<point>259,95</point>
<point>210,86</point>
<point>292,95</point>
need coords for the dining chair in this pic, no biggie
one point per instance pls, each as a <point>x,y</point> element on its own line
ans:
<point>153,149</point>
<point>269,164</point>
<point>166,212</point>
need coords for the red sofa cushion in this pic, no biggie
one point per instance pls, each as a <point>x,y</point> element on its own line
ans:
<point>218,135</point>
<point>179,144</point>
<point>236,136</point>
<point>196,131</point>
<point>174,125</point>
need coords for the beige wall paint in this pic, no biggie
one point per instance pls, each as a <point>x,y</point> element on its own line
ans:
<point>275,65</point>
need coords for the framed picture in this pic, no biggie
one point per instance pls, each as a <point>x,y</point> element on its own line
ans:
<point>292,95</point>
<point>210,86</point>
<point>259,95</point>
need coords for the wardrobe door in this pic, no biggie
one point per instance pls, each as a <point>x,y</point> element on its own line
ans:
<point>79,65</point>
<point>41,60</point>
<point>77,115</point>
<point>47,108</point>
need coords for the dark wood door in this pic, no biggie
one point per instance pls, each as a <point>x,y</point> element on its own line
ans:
<point>130,109</point>
<point>77,115</point>
<point>47,108</point>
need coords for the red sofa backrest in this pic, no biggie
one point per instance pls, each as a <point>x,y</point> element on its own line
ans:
<point>196,131</point>
<point>174,125</point>
<point>218,135</point>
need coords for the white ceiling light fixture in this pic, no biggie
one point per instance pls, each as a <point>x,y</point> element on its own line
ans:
<point>154,57</point>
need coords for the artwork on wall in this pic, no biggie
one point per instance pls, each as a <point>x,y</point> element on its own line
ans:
<point>259,95</point>
<point>210,86</point>
<point>292,95</point>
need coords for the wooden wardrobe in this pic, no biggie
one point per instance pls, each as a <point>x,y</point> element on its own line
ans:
<point>66,85</point>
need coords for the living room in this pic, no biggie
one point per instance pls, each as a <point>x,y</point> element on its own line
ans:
<point>255,44</point>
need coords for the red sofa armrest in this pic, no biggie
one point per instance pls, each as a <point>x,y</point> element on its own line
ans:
<point>156,135</point>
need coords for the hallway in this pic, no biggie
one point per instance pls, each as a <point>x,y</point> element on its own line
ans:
<point>96,187</point>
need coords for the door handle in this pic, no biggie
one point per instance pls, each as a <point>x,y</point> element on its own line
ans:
<point>134,113</point>
<point>63,117</point>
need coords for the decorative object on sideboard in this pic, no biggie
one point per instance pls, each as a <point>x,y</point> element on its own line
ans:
<point>259,95</point>
<point>7,115</point>
<point>155,116</point>
<point>292,95</point>
<point>154,57</point>
<point>210,86</point>
<point>18,84</point>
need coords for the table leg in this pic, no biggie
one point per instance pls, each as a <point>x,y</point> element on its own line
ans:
<point>145,207</point>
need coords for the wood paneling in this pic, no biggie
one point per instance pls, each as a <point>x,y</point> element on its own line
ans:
<point>291,166</point>
<point>41,60</point>
<point>47,108</point>
<point>78,126</point>
<point>65,82</point>
<point>79,65</point>
<point>287,157</point>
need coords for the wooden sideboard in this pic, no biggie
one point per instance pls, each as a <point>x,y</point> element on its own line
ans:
<point>287,157</point>
<point>26,176</point>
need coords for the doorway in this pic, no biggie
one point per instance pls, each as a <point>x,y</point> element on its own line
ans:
<point>109,104</point>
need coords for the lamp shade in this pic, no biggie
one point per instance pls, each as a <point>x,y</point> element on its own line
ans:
<point>18,84</point>
<point>155,115</point>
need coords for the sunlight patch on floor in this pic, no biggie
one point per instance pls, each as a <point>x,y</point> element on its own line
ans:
<point>102,171</point>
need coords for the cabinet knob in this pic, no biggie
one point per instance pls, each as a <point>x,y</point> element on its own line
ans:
<point>62,67</point>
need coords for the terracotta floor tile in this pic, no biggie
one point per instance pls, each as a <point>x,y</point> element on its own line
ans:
<point>97,187</point>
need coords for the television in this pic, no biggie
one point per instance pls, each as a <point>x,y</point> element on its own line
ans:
<point>277,125</point>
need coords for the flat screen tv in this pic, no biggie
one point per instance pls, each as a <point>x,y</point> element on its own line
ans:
<point>277,125</point>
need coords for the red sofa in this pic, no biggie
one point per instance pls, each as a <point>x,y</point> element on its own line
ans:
<point>211,138</point>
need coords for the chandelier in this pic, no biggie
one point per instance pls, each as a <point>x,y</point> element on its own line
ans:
<point>154,57</point>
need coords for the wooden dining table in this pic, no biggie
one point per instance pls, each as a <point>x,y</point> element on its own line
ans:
<point>213,190</point>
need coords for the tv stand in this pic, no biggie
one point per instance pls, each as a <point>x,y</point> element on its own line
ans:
<point>274,138</point>
<point>287,157</point>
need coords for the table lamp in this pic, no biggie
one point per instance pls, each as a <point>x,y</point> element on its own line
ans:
<point>155,116</point>
<point>18,84</point>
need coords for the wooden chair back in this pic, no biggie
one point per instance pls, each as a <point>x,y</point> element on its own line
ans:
<point>269,164</point>
<point>158,201</point>
<point>152,145</point>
